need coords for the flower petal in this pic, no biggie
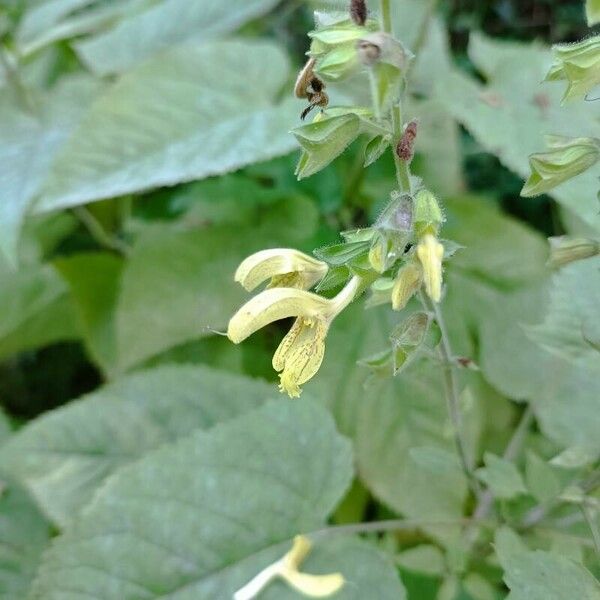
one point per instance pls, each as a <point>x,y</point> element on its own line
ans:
<point>314,586</point>
<point>430,253</point>
<point>273,305</point>
<point>286,266</point>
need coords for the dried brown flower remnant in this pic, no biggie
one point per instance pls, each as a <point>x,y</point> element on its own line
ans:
<point>358,11</point>
<point>405,147</point>
<point>309,86</point>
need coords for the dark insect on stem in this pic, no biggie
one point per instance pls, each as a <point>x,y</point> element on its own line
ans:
<point>309,86</point>
<point>405,147</point>
<point>358,11</point>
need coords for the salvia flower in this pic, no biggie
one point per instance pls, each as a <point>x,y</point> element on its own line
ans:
<point>407,283</point>
<point>566,158</point>
<point>578,64</point>
<point>283,266</point>
<point>301,351</point>
<point>430,253</point>
<point>287,568</point>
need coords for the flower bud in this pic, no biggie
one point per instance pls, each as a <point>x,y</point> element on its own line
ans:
<point>566,158</point>
<point>407,283</point>
<point>578,64</point>
<point>334,48</point>
<point>428,215</point>
<point>382,47</point>
<point>430,252</point>
<point>565,250</point>
<point>379,254</point>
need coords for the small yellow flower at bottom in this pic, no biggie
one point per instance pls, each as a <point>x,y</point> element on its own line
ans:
<point>430,253</point>
<point>313,586</point>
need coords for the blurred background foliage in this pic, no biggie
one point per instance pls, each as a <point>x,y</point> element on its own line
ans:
<point>144,151</point>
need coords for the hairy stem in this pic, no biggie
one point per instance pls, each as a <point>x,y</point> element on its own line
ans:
<point>402,167</point>
<point>451,392</point>
<point>486,500</point>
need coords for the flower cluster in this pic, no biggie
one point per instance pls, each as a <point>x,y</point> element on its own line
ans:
<point>291,274</point>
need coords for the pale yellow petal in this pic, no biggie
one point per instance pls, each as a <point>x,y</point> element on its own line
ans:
<point>272,305</point>
<point>286,343</point>
<point>301,546</point>
<point>314,586</point>
<point>430,252</point>
<point>408,281</point>
<point>285,264</point>
<point>302,356</point>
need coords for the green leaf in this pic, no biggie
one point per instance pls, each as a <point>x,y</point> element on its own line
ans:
<point>571,324</point>
<point>407,412</point>
<point>35,309</point>
<point>94,280</point>
<point>324,140</point>
<point>178,283</point>
<point>51,21</point>
<point>375,148</point>
<point>502,477</point>
<point>64,456</point>
<point>538,575</point>
<point>29,145</point>
<point>341,254</point>
<point>184,115</point>
<point>592,10</point>
<point>24,535</point>
<point>509,117</point>
<point>164,25</point>
<point>542,481</point>
<point>206,514</point>
<point>423,559</point>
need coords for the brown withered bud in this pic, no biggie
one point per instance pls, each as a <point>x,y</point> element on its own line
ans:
<point>405,147</point>
<point>358,11</point>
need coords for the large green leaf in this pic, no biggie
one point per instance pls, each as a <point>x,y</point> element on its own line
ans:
<point>54,20</point>
<point>178,282</point>
<point>389,419</point>
<point>199,518</point>
<point>163,25</point>
<point>93,280</point>
<point>186,114</point>
<point>35,309</point>
<point>24,535</point>
<point>571,327</point>
<point>65,455</point>
<point>29,145</point>
<point>511,114</point>
<point>538,575</point>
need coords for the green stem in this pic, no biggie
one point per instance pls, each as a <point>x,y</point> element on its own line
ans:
<point>486,500</point>
<point>385,16</point>
<point>389,525</point>
<point>402,167</point>
<point>98,232</point>
<point>451,391</point>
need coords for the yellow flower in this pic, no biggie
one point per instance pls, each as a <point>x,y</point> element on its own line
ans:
<point>285,267</point>
<point>301,351</point>
<point>430,252</point>
<point>314,586</point>
<point>408,281</point>
<point>566,158</point>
